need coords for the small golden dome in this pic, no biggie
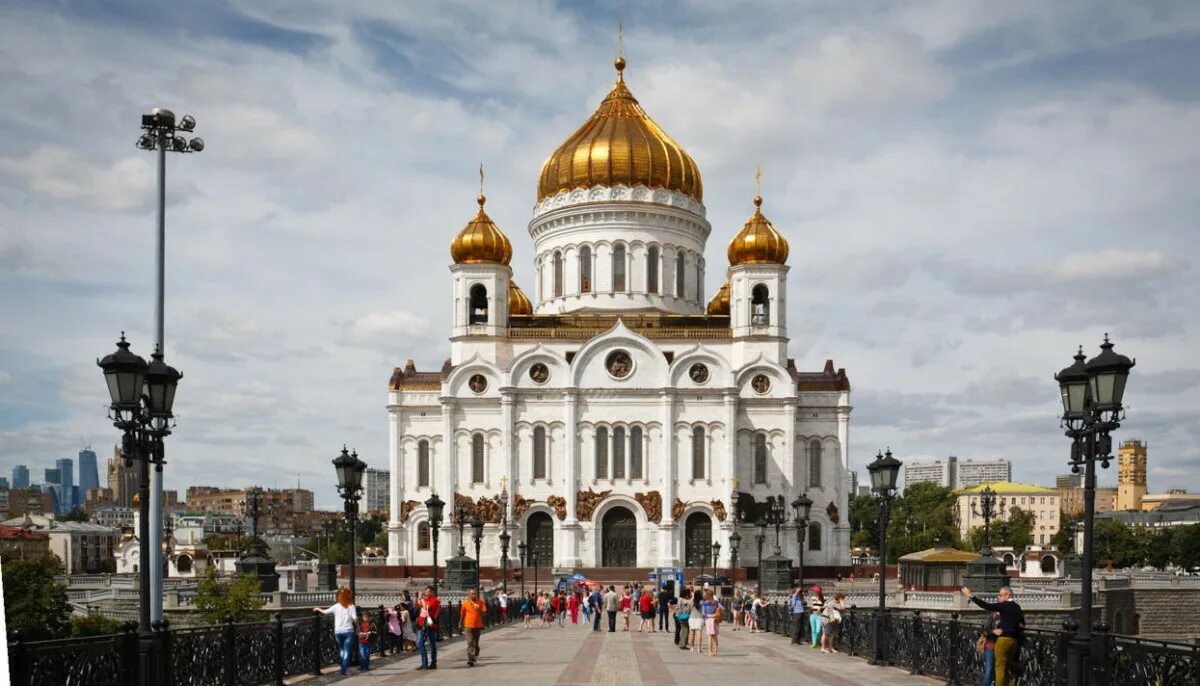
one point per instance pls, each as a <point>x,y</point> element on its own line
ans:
<point>719,305</point>
<point>620,145</point>
<point>518,302</point>
<point>137,500</point>
<point>759,242</point>
<point>481,241</point>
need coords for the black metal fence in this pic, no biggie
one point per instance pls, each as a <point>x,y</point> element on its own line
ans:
<point>945,648</point>
<point>229,654</point>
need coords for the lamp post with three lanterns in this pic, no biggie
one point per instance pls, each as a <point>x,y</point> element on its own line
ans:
<point>884,472</point>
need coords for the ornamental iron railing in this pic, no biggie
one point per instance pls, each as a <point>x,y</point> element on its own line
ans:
<point>228,654</point>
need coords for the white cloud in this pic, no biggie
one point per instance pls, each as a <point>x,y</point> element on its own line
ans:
<point>389,332</point>
<point>62,174</point>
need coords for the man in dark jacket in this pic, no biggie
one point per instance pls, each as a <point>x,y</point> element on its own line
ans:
<point>665,600</point>
<point>1008,629</point>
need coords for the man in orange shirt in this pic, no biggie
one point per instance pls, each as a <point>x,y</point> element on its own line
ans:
<point>471,623</point>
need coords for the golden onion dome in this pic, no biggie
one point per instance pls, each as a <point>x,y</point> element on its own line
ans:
<point>759,242</point>
<point>620,145</point>
<point>719,305</point>
<point>518,302</point>
<point>481,241</point>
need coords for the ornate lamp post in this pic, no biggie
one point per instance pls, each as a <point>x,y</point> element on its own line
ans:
<point>477,536</point>
<point>141,396</point>
<point>349,473</point>
<point>801,507</point>
<point>505,538</point>
<point>533,556</point>
<point>434,506</point>
<point>460,521</point>
<point>1092,392</point>
<point>521,556</point>
<point>988,508</point>
<point>884,471</point>
<point>776,518</point>
<point>759,538</point>
<point>716,556</point>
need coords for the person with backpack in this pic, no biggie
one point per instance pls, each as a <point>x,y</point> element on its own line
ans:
<point>683,615</point>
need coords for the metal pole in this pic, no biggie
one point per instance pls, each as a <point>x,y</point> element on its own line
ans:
<point>351,511</point>
<point>1081,662</point>
<point>156,485</point>
<point>435,554</point>
<point>800,543</point>
<point>879,633</point>
<point>144,540</point>
<point>759,540</point>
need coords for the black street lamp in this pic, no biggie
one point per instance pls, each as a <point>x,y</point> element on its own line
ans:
<point>801,507</point>
<point>735,542</point>
<point>776,518</point>
<point>759,538</point>
<point>521,557</point>
<point>1092,392</point>
<point>533,556</point>
<point>460,521</point>
<point>716,556</point>
<point>349,474</point>
<point>505,538</point>
<point>477,536</point>
<point>884,471</point>
<point>141,398</point>
<point>434,507</point>
<point>988,508</point>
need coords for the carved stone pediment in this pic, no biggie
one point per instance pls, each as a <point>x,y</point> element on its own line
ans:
<point>559,504</point>
<point>586,503</point>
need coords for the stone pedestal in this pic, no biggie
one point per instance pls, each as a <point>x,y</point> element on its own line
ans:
<point>462,572</point>
<point>326,576</point>
<point>1073,566</point>
<point>776,574</point>
<point>259,565</point>
<point>985,574</point>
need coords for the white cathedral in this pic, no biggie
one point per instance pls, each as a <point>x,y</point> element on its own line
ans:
<point>619,411</point>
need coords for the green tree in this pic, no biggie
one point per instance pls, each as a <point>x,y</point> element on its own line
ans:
<point>923,517</point>
<point>1115,542</point>
<point>76,515</point>
<point>1016,531</point>
<point>34,601</point>
<point>1064,540</point>
<point>238,598</point>
<point>94,625</point>
<point>863,526</point>
<point>1185,546</point>
<point>1158,545</point>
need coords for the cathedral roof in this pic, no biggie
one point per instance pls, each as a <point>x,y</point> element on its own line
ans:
<point>620,145</point>
<point>481,241</point>
<point>409,379</point>
<point>759,242</point>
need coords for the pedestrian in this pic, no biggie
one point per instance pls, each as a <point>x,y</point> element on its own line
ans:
<point>833,624</point>
<point>345,622</point>
<point>562,608</point>
<point>612,603</point>
<point>471,623</point>
<point>364,642</point>
<point>796,611</point>
<point>427,624</point>
<point>528,610</point>
<point>753,612</point>
<point>573,608</point>
<point>696,622</point>
<point>626,608</point>
<point>986,646</point>
<point>713,614</point>
<point>395,632</point>
<point>502,602</point>
<point>1009,627</point>
<point>683,614</point>
<point>645,610</point>
<point>666,598</point>
<point>596,603</point>
<point>816,604</point>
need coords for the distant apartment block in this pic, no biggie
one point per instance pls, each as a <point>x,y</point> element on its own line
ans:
<point>975,472</point>
<point>376,490</point>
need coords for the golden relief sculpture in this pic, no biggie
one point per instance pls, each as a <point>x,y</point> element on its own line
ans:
<point>406,509</point>
<point>677,509</point>
<point>652,503</point>
<point>488,509</point>
<point>832,511</point>
<point>718,509</point>
<point>559,504</point>
<point>586,503</point>
<point>462,502</point>
<point>521,506</point>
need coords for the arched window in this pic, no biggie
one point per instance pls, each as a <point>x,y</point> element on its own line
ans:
<point>585,269</point>
<point>760,459</point>
<point>422,464</point>
<point>679,274</point>
<point>619,267</point>
<point>635,453</point>
<point>539,452</point>
<point>477,459</point>
<point>814,536</point>
<point>477,312</point>
<point>699,282</point>
<point>760,306</point>
<point>183,564</point>
<point>601,452</point>
<point>558,274</point>
<point>652,269</point>
<point>423,536</point>
<point>618,453</point>
<point>698,452</point>
<point>814,464</point>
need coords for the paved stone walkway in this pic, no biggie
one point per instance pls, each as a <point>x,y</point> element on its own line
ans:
<point>575,656</point>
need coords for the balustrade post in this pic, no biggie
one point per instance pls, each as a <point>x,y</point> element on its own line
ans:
<point>1062,651</point>
<point>916,644</point>
<point>1101,654</point>
<point>316,644</point>
<point>128,654</point>
<point>277,645</point>
<point>953,652</point>
<point>164,663</point>
<point>230,641</point>
<point>18,659</point>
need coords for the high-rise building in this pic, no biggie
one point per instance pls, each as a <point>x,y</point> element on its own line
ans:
<point>376,493</point>
<point>89,476</point>
<point>1064,481</point>
<point>1131,474</point>
<point>20,476</point>
<point>66,478</point>
<point>4,482</point>
<point>122,479</point>
<point>975,472</point>
<point>941,472</point>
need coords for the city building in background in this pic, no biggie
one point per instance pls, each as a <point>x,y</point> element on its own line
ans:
<point>1131,474</point>
<point>1173,496</point>
<point>66,481</point>
<point>1168,515</point>
<point>1063,482</point>
<point>20,476</point>
<point>976,472</point>
<point>122,479</point>
<point>83,547</point>
<point>23,544</point>
<point>278,506</point>
<point>89,476</point>
<point>1041,501</point>
<point>16,502</point>
<point>941,472</point>
<point>4,482</point>
<point>1071,500</point>
<point>376,486</point>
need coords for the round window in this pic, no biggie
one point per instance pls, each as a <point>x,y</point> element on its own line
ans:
<point>539,373</point>
<point>698,372</point>
<point>619,364</point>
<point>477,383</point>
<point>761,384</point>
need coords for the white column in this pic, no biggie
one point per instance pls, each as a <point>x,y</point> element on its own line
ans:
<point>842,528</point>
<point>667,555</point>
<point>507,410</point>
<point>790,449</point>
<point>444,483</point>
<point>628,456</point>
<point>570,526</point>
<point>396,489</point>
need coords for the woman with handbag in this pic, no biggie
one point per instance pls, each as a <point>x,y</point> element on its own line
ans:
<point>831,622</point>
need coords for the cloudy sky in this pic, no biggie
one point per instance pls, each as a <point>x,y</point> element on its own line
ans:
<point>970,189</point>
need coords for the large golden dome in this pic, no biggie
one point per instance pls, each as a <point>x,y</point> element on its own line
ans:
<point>620,145</point>
<point>518,302</point>
<point>759,242</point>
<point>481,241</point>
<point>720,302</point>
